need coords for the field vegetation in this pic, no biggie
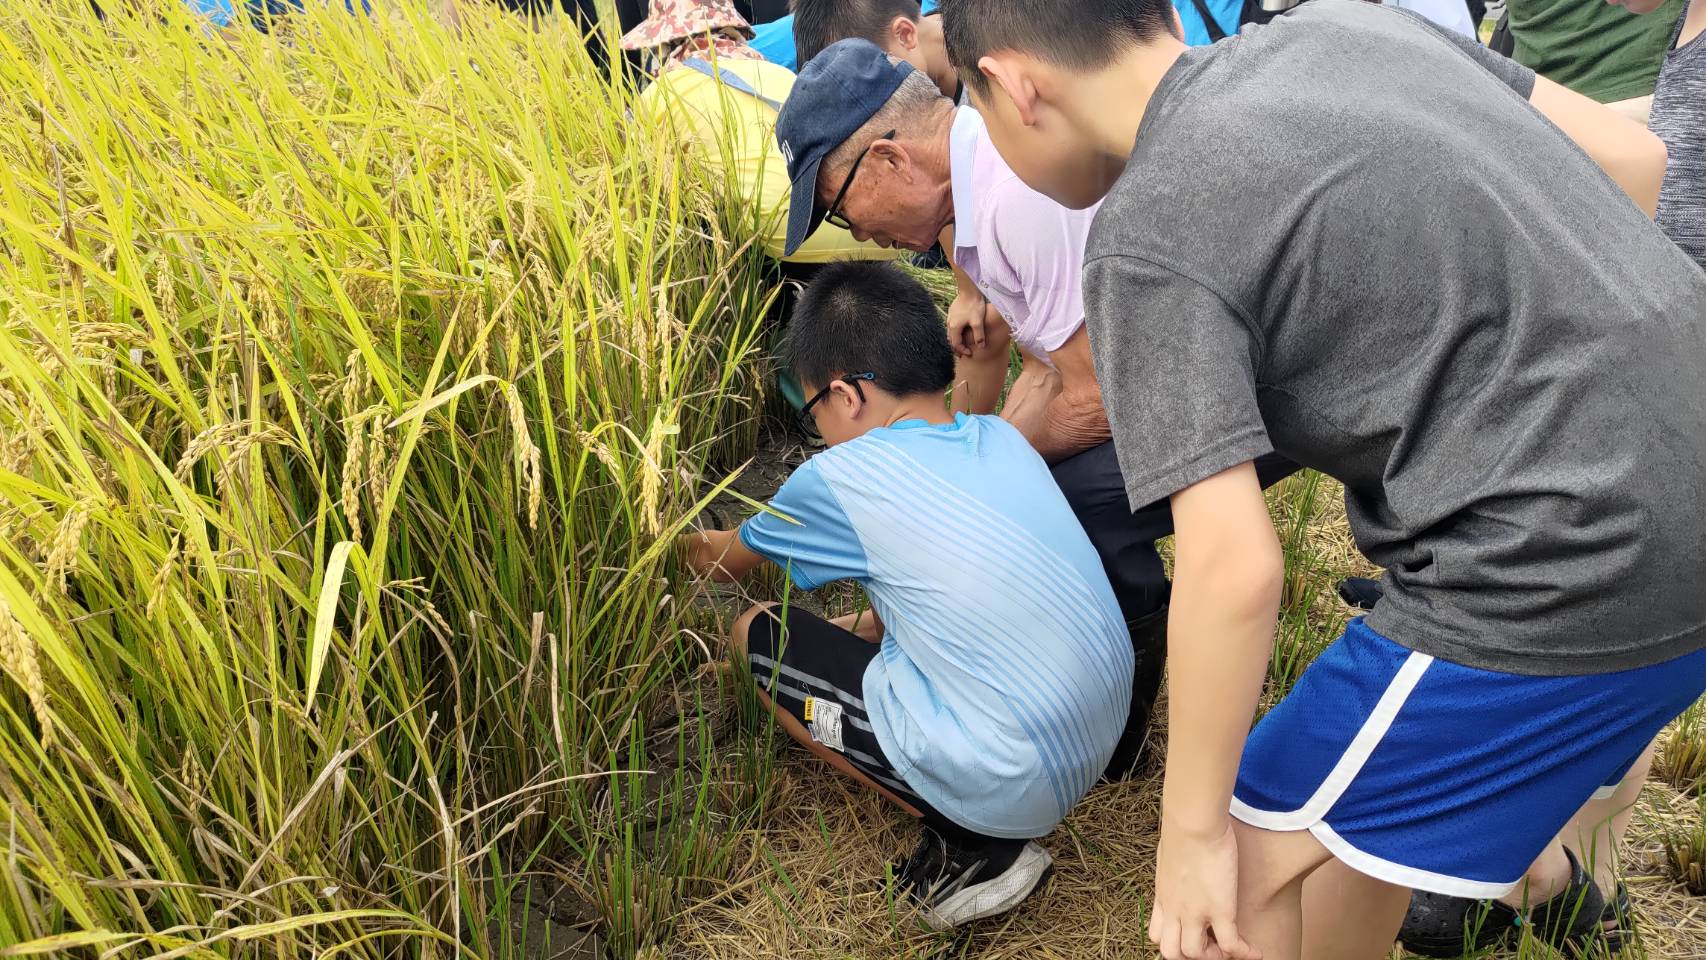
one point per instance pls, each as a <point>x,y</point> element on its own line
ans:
<point>352,381</point>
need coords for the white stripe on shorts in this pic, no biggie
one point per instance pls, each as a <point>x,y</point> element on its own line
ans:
<point>1351,763</point>
<point>1400,875</point>
<point>808,679</point>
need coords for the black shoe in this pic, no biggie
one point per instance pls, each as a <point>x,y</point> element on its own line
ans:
<point>1361,592</point>
<point>1149,650</point>
<point>1618,921</point>
<point>1441,926</point>
<point>958,881</point>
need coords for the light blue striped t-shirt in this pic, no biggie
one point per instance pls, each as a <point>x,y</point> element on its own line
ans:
<point>1004,676</point>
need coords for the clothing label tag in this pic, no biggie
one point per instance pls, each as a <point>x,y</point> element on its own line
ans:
<point>825,719</point>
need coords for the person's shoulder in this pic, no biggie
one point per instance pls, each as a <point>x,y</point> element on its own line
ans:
<point>1015,211</point>
<point>762,74</point>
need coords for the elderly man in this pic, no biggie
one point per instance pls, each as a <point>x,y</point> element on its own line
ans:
<point>873,146</point>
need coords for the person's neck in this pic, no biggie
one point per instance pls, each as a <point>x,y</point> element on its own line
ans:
<point>929,408</point>
<point>946,78</point>
<point>1110,103</point>
<point>934,161</point>
<point>1695,25</point>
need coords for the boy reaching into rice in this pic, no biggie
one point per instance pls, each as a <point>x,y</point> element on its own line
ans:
<point>988,690</point>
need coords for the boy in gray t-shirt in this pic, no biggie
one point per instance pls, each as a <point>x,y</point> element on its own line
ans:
<point>1326,237</point>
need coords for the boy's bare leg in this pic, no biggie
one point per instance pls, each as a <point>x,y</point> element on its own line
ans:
<point>1272,866</point>
<point>1349,915</point>
<point>793,727</point>
<point>863,625</point>
<point>1593,833</point>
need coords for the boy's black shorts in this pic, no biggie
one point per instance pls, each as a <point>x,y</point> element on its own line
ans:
<point>813,658</point>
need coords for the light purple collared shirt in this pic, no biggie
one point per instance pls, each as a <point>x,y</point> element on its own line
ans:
<point>1024,251</point>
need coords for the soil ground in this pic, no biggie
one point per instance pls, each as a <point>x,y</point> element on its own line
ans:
<point>818,880</point>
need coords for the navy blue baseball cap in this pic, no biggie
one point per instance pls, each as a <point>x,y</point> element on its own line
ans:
<point>838,91</point>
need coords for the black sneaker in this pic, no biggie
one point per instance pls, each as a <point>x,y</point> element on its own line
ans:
<point>954,883</point>
<point>1441,926</point>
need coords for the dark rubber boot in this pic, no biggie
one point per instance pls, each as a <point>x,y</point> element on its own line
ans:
<point>1442,926</point>
<point>1149,648</point>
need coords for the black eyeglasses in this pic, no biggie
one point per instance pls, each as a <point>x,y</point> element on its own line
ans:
<point>851,379</point>
<point>835,216</point>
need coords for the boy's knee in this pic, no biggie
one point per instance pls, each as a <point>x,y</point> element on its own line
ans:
<point>742,629</point>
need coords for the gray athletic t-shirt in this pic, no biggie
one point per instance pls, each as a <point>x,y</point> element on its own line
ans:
<point>1346,236</point>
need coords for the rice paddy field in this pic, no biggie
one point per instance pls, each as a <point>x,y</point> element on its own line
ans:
<point>354,380</point>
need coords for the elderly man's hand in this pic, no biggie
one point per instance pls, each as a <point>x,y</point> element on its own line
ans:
<point>967,322</point>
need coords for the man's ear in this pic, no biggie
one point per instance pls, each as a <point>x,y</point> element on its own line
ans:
<point>1009,74</point>
<point>904,32</point>
<point>888,153</point>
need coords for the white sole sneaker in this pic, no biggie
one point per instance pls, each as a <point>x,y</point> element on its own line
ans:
<point>995,895</point>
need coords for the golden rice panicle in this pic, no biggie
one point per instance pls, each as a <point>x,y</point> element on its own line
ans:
<point>162,576</point>
<point>528,462</point>
<point>651,475</point>
<point>354,469</point>
<point>67,540</point>
<point>214,437</point>
<point>379,456</point>
<point>19,660</point>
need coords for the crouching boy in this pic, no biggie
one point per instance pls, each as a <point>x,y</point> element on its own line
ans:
<point>985,691</point>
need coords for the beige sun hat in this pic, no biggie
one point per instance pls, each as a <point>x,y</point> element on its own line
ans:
<point>672,20</point>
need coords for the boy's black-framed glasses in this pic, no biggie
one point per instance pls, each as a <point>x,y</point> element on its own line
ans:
<point>851,379</point>
<point>835,217</point>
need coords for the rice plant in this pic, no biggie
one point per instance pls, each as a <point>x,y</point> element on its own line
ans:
<point>1685,852</point>
<point>1301,634</point>
<point>353,380</point>
<point>1682,758</point>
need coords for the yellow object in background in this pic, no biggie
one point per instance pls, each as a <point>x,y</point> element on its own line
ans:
<point>739,130</point>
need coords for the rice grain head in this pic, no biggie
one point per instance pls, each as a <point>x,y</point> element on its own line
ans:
<point>378,459</point>
<point>210,439</point>
<point>528,462</point>
<point>354,466</point>
<point>67,539</point>
<point>18,658</point>
<point>157,586</point>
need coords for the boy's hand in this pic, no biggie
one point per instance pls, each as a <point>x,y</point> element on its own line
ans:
<point>1196,896</point>
<point>718,554</point>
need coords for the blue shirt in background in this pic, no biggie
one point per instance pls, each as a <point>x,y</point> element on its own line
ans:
<point>774,41</point>
<point>223,12</point>
<point>1004,675</point>
<point>1226,13</point>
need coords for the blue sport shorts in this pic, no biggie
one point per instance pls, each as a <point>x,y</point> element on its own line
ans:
<point>1441,777</point>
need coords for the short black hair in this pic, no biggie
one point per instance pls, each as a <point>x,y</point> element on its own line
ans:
<point>859,316</point>
<point>1076,34</point>
<point>819,23</point>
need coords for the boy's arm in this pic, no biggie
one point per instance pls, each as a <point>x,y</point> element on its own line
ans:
<point>718,554</point>
<point>1629,153</point>
<point>1228,572</point>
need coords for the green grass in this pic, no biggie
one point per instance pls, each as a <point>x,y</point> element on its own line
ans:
<point>352,381</point>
